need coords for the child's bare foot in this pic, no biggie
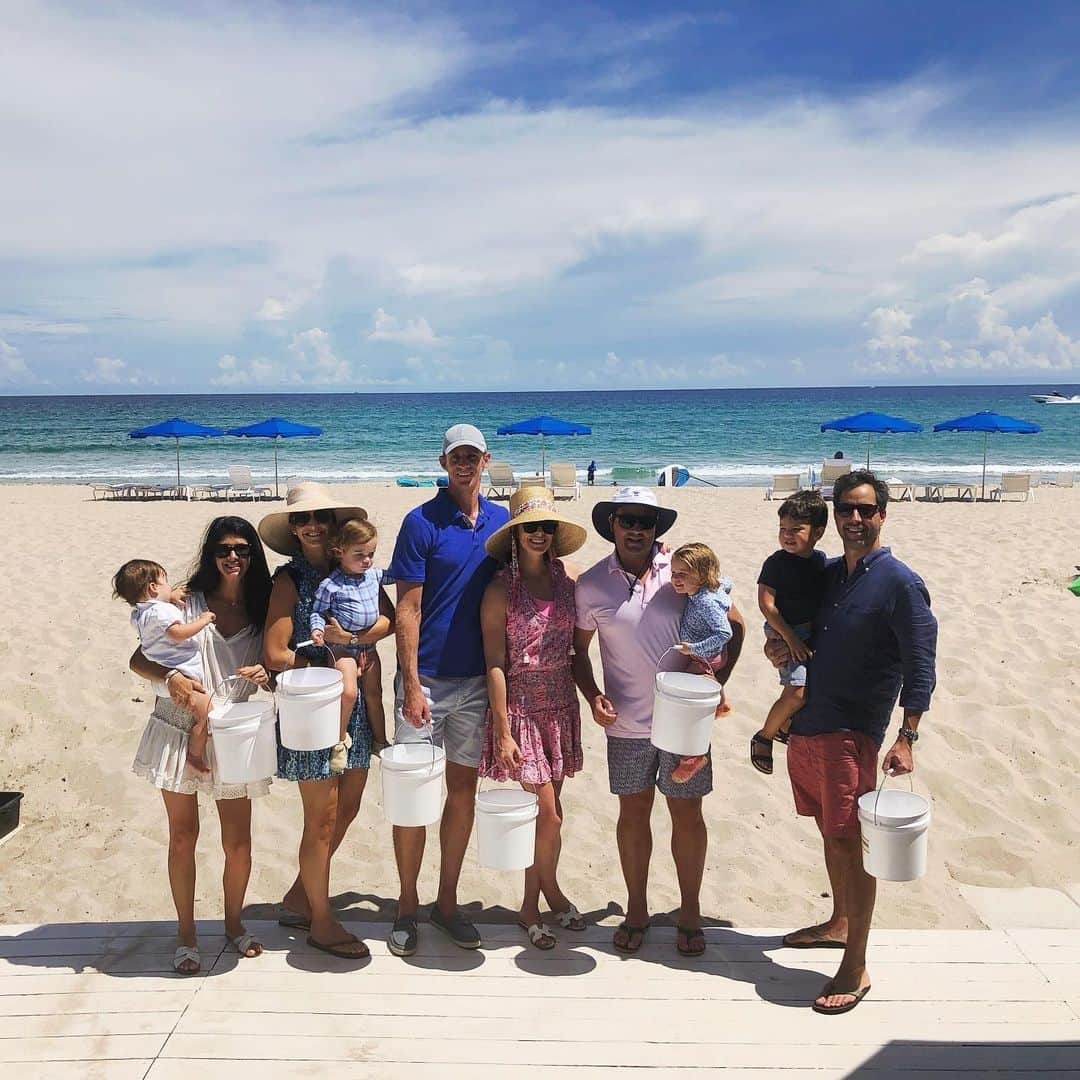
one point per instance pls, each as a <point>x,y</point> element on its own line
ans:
<point>688,768</point>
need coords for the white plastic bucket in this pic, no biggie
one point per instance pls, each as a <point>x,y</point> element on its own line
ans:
<point>506,828</point>
<point>683,709</point>
<point>245,750</point>
<point>309,707</point>
<point>894,833</point>
<point>412,776</point>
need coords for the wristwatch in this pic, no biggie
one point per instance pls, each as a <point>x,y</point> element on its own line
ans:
<point>910,734</point>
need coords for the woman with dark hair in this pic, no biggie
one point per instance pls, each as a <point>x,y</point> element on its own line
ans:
<point>231,580</point>
<point>304,532</point>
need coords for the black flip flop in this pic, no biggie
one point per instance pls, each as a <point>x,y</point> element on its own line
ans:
<point>690,933</point>
<point>818,943</point>
<point>338,949</point>
<point>759,759</point>
<point>292,921</point>
<point>630,931</point>
<point>836,1010</point>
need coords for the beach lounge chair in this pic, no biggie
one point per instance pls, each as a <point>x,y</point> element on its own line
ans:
<point>900,490</point>
<point>564,480</point>
<point>1016,484</point>
<point>242,486</point>
<point>501,482</point>
<point>112,491</point>
<point>831,471</point>
<point>783,485</point>
<point>1063,479</point>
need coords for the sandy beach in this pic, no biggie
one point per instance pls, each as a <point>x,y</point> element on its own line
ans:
<point>996,754</point>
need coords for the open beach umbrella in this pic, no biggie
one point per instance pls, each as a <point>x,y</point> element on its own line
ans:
<point>275,428</point>
<point>175,429</point>
<point>544,425</point>
<point>986,422</point>
<point>872,423</point>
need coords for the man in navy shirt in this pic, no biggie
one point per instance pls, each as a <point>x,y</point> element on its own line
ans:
<point>874,641</point>
<point>441,568</point>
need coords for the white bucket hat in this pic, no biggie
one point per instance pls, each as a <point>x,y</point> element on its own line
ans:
<point>630,496</point>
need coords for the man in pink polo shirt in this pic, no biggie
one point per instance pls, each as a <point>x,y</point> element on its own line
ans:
<point>628,600</point>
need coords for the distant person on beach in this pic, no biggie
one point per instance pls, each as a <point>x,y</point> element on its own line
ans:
<point>350,593</point>
<point>705,629</point>
<point>533,732</point>
<point>441,569</point>
<point>790,587</point>
<point>627,600</point>
<point>874,640</point>
<point>590,473</point>
<point>304,532</point>
<point>166,638</point>
<point>232,583</point>
<point>839,455</point>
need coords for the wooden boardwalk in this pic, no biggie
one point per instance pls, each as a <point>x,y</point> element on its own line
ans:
<point>100,1000</point>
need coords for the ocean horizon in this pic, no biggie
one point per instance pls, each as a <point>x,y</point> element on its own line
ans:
<point>724,437</point>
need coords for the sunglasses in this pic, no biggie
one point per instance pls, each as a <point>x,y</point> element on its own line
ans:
<point>549,527</point>
<point>866,511</point>
<point>322,517</point>
<point>223,551</point>
<point>645,523</point>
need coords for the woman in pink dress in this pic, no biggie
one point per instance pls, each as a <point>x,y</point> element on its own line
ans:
<point>533,733</point>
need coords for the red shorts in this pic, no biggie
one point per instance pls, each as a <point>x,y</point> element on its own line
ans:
<point>828,774</point>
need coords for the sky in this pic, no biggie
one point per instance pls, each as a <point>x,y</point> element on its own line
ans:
<point>259,197</point>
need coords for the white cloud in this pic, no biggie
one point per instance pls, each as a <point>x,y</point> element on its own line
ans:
<point>23,324</point>
<point>233,372</point>
<point>386,327</point>
<point>13,368</point>
<point>112,371</point>
<point>314,356</point>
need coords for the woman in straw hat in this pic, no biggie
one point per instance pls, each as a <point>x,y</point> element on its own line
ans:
<point>533,733</point>
<point>304,531</point>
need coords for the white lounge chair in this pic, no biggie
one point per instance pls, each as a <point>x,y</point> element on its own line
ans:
<point>242,485</point>
<point>900,491</point>
<point>1018,484</point>
<point>831,471</point>
<point>1063,479</point>
<point>501,482</point>
<point>564,480</point>
<point>783,485</point>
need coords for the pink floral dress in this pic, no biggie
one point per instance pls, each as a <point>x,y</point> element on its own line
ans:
<point>541,701</point>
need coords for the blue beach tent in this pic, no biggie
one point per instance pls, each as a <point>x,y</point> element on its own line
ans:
<point>542,426</point>
<point>871,423</point>
<point>988,422</point>
<point>175,429</point>
<point>275,428</point>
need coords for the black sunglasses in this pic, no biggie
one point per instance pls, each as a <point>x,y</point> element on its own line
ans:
<point>866,511</point>
<point>302,517</point>
<point>223,551</point>
<point>549,527</point>
<point>645,523</point>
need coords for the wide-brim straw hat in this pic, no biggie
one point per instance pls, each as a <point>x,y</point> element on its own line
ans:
<point>630,496</point>
<point>274,528</point>
<point>536,504</point>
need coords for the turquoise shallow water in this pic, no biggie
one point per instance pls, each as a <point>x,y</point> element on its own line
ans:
<point>722,436</point>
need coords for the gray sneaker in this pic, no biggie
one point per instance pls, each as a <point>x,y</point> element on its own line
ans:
<point>457,928</point>
<point>402,940</point>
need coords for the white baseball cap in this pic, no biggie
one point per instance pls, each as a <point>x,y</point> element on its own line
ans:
<point>463,435</point>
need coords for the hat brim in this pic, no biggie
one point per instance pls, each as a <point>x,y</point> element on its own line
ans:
<point>278,536</point>
<point>568,538</point>
<point>602,511</point>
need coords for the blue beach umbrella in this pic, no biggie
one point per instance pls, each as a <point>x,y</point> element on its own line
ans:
<point>544,425</point>
<point>175,429</point>
<point>872,423</point>
<point>275,428</point>
<point>988,422</point>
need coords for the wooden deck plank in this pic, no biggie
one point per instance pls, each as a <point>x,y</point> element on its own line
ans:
<point>65,1024</point>
<point>100,1002</point>
<point>81,1048</point>
<point>203,1069</point>
<point>127,1069</point>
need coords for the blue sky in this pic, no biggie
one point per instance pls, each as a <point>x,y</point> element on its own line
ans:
<point>258,197</point>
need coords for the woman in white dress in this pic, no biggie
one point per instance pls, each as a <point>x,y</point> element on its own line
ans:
<point>231,580</point>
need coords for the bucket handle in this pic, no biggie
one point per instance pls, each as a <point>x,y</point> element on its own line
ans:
<point>885,776</point>
<point>675,648</point>
<point>233,679</point>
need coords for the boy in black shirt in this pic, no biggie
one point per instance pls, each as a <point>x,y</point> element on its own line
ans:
<point>790,587</point>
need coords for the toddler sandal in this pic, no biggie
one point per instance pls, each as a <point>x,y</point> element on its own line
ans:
<point>540,936</point>
<point>761,754</point>
<point>244,942</point>
<point>570,919</point>
<point>186,954</point>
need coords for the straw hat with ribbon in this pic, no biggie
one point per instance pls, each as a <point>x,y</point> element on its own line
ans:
<point>536,504</point>
<point>275,530</point>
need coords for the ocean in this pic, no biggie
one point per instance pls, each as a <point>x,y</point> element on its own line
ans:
<point>725,437</point>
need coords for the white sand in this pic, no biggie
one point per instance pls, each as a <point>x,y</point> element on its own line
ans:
<point>998,753</point>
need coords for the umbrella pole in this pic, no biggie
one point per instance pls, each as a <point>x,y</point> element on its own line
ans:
<point>178,465</point>
<point>985,439</point>
<point>868,451</point>
<point>276,494</point>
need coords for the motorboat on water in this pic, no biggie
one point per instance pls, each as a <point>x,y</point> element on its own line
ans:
<point>1056,398</point>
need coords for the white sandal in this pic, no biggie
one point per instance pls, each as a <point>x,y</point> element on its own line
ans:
<point>184,954</point>
<point>242,942</point>
<point>540,936</point>
<point>570,919</point>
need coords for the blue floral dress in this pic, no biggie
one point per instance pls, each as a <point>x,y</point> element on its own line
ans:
<point>315,764</point>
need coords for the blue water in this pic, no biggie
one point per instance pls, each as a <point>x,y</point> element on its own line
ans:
<point>722,436</point>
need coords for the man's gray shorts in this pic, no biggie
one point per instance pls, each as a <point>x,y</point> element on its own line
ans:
<point>636,765</point>
<point>458,714</point>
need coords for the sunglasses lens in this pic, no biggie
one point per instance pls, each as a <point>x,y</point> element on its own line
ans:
<point>632,521</point>
<point>864,510</point>
<point>322,517</point>
<point>549,527</point>
<point>223,551</point>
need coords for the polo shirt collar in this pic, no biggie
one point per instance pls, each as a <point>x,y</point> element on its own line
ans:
<point>660,559</point>
<point>458,516</point>
<point>867,561</point>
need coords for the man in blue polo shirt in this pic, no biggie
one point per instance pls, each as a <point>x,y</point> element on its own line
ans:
<point>441,568</point>
<point>874,641</point>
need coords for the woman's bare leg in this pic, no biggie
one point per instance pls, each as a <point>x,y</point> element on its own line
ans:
<point>235,817</point>
<point>183,815</point>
